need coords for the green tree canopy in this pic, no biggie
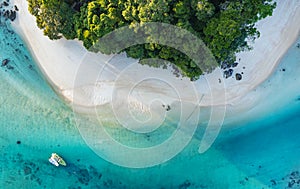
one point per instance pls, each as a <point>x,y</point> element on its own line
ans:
<point>223,25</point>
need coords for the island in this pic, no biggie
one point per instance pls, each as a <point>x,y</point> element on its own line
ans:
<point>224,26</point>
<point>146,115</point>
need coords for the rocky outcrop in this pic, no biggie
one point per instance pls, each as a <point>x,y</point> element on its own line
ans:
<point>4,62</point>
<point>8,12</point>
<point>5,3</point>
<point>234,64</point>
<point>227,67</point>
<point>238,76</point>
<point>228,73</point>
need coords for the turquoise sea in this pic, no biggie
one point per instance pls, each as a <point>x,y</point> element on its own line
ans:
<point>259,149</point>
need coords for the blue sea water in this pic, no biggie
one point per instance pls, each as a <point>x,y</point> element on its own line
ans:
<point>261,152</point>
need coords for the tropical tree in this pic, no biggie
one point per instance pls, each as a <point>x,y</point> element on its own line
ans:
<point>224,26</point>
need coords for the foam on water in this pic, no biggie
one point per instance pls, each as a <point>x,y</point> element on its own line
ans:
<point>248,157</point>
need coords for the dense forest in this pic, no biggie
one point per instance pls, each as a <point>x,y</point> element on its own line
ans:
<point>224,26</point>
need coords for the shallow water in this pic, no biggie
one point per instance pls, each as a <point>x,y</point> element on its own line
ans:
<point>260,152</point>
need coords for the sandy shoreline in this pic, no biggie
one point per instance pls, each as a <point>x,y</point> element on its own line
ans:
<point>83,84</point>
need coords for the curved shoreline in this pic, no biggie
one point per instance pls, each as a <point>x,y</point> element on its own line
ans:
<point>60,61</point>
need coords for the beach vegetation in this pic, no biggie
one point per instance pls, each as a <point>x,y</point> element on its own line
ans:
<point>226,27</point>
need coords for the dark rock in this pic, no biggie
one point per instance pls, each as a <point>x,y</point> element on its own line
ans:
<point>228,66</point>
<point>6,14</point>
<point>5,3</point>
<point>238,76</point>
<point>84,176</point>
<point>10,67</point>
<point>234,64</point>
<point>295,173</point>
<point>82,180</point>
<point>5,62</point>
<point>167,107</point>
<point>32,177</point>
<point>283,69</point>
<point>291,183</point>
<point>18,142</point>
<point>224,65</point>
<point>226,74</point>
<point>185,185</point>
<point>16,8</point>
<point>108,183</point>
<point>39,181</point>
<point>12,15</point>
<point>273,182</point>
<point>298,45</point>
<point>27,170</point>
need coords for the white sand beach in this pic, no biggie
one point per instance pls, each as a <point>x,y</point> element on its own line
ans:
<point>91,80</point>
<point>121,92</point>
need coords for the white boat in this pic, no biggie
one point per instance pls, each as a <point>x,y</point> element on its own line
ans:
<point>56,160</point>
<point>53,161</point>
